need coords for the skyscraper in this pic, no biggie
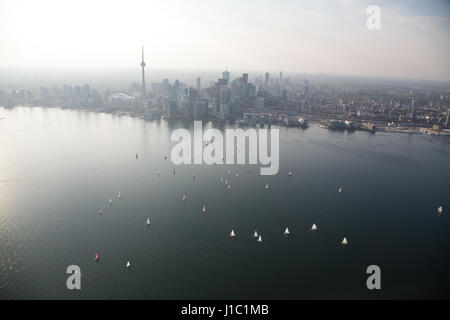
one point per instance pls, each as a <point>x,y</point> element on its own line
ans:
<point>413,110</point>
<point>199,83</point>
<point>448,116</point>
<point>226,76</point>
<point>143,72</point>
<point>267,79</point>
<point>244,86</point>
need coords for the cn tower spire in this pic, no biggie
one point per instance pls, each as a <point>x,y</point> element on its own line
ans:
<point>143,72</point>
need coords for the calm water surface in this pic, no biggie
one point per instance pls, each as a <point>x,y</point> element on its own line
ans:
<point>58,168</point>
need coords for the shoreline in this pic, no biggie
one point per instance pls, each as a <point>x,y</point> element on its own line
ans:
<point>122,113</point>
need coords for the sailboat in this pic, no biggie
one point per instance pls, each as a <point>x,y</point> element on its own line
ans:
<point>286,232</point>
<point>259,239</point>
<point>290,173</point>
<point>440,210</point>
<point>232,234</point>
<point>97,257</point>
<point>237,174</point>
<point>229,172</point>
<point>184,197</point>
<point>314,227</point>
<point>229,186</point>
<point>344,242</point>
<point>173,171</point>
<point>119,195</point>
<point>100,212</point>
<point>267,186</point>
<point>137,156</point>
<point>110,201</point>
<point>226,181</point>
<point>340,189</point>
<point>221,179</point>
<point>158,172</point>
<point>128,264</point>
<point>204,209</point>
<point>255,235</point>
<point>147,222</point>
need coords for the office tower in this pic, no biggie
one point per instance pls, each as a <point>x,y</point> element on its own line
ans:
<point>251,94</point>
<point>306,87</point>
<point>267,80</point>
<point>143,72</point>
<point>226,76</point>
<point>413,110</point>
<point>281,77</point>
<point>244,86</point>
<point>200,108</point>
<point>448,115</point>
<point>199,83</point>
<point>224,94</point>
<point>193,95</point>
<point>217,86</point>
<point>172,108</point>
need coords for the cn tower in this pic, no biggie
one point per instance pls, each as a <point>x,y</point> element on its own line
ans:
<point>143,72</point>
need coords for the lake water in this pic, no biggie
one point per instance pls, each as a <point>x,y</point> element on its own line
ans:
<point>58,168</point>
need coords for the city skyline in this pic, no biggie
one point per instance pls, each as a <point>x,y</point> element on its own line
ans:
<point>310,37</point>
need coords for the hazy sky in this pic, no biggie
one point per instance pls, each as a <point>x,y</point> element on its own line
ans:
<point>294,36</point>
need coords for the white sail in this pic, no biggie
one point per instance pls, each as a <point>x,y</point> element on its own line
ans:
<point>232,234</point>
<point>119,195</point>
<point>260,239</point>
<point>340,190</point>
<point>229,186</point>
<point>314,227</point>
<point>237,174</point>
<point>226,181</point>
<point>255,235</point>
<point>344,242</point>
<point>158,172</point>
<point>229,172</point>
<point>286,232</point>
<point>221,179</point>
<point>204,208</point>
<point>147,222</point>
<point>110,201</point>
<point>128,264</point>
<point>290,173</point>
<point>184,197</point>
<point>267,186</point>
<point>440,210</point>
